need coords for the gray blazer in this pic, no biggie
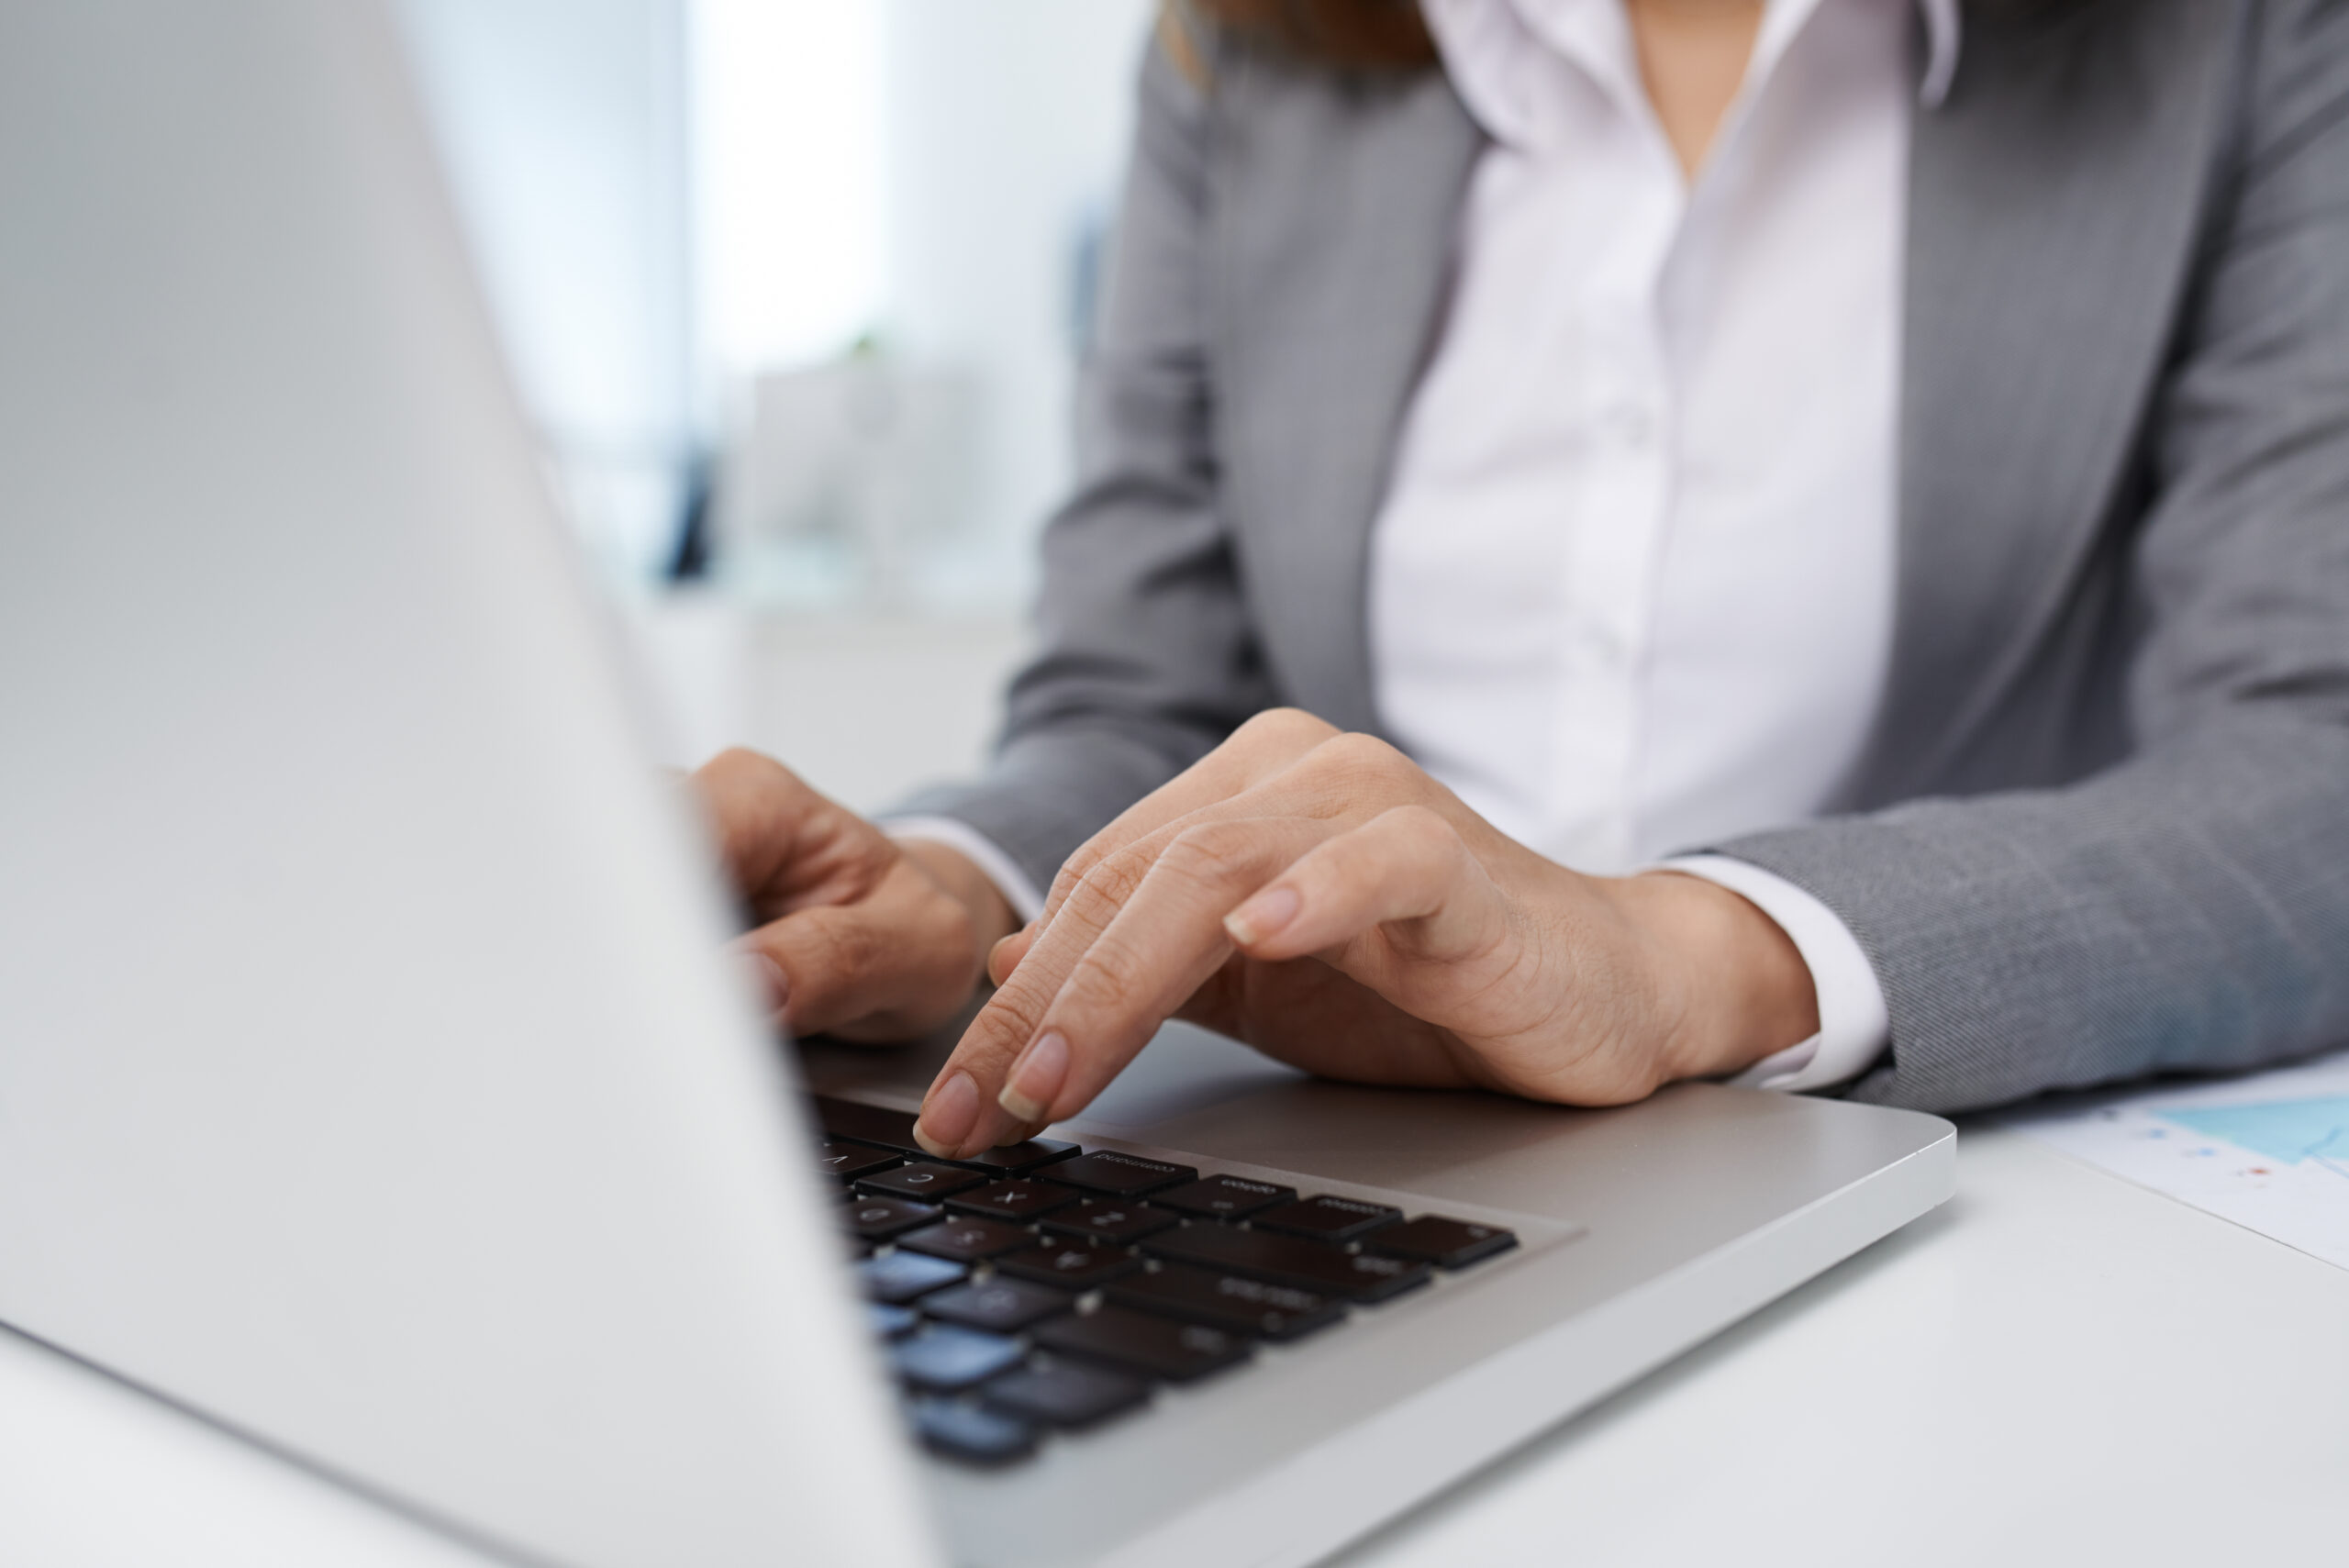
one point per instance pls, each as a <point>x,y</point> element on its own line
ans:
<point>2103,825</point>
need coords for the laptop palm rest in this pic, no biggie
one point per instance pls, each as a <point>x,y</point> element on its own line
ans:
<point>1644,1229</point>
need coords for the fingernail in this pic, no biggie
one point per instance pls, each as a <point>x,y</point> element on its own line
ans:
<point>768,979</point>
<point>946,1120</point>
<point>1263,916</point>
<point>1035,1079</point>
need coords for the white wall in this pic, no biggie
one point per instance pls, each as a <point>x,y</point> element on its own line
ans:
<point>562,124</point>
<point>669,195</point>
<point>791,166</point>
<point>922,171</point>
<point>1009,123</point>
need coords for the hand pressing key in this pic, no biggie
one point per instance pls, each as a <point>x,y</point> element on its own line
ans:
<point>1319,897</point>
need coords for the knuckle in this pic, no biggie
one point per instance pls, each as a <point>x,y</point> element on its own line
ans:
<point>1420,829</point>
<point>1355,755</point>
<point>1112,971</point>
<point>1018,1010</point>
<point>1105,889</point>
<point>730,762</point>
<point>740,765</point>
<point>1085,857</point>
<point>1286,726</point>
<point>848,951</point>
<point>949,945</point>
<point>1211,853</point>
<point>1075,869</point>
<point>1426,841</point>
<point>1003,1028</point>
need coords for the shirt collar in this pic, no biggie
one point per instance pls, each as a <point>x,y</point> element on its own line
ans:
<point>1486,44</point>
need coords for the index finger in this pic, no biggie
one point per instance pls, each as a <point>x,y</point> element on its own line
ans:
<point>1260,748</point>
<point>1136,937</point>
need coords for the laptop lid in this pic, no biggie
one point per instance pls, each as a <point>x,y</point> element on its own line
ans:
<point>369,1080</point>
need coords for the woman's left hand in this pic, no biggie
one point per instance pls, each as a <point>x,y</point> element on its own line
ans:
<point>1318,896</point>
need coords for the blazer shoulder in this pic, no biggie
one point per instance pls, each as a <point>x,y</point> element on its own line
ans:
<point>2297,74</point>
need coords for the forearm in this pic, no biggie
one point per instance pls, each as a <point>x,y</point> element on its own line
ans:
<point>2186,911</point>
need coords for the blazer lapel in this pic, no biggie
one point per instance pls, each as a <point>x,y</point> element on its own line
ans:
<point>2055,199</point>
<point>1334,209</point>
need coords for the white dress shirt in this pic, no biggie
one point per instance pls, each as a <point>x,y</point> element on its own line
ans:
<point>1631,586</point>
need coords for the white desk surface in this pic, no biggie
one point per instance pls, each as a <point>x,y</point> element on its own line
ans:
<point>2056,1367</point>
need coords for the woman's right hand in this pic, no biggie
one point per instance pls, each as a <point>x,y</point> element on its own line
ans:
<point>859,935</point>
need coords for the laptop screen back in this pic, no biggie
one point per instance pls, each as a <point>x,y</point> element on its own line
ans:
<point>369,1081</point>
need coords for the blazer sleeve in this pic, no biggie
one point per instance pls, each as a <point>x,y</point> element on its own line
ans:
<point>1145,657</point>
<point>2188,909</point>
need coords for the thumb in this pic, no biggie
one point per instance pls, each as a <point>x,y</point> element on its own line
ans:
<point>862,970</point>
<point>1005,956</point>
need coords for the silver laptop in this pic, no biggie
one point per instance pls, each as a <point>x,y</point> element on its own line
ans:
<point>370,1082</point>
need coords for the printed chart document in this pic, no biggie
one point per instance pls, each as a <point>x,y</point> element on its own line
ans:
<point>2269,1151</point>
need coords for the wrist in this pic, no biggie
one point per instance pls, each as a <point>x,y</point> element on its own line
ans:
<point>1736,987</point>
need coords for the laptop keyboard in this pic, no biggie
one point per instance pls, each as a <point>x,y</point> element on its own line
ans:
<point>1044,1288</point>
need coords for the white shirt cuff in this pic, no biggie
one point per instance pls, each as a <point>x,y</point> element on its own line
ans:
<point>1853,1025</point>
<point>980,851</point>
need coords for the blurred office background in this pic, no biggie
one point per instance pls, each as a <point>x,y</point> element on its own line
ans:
<point>793,292</point>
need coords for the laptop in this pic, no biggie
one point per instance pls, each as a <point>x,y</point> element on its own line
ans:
<point>373,1089</point>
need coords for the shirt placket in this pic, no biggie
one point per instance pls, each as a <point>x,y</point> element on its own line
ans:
<point>1618,518</point>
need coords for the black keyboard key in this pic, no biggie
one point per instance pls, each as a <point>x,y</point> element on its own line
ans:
<point>1017,1201</point>
<point>1076,1265</point>
<point>1110,1222</point>
<point>890,1322</point>
<point>1228,1301</point>
<point>1012,1158</point>
<point>878,1218</point>
<point>895,1129</point>
<point>966,1239</point>
<point>947,1360</point>
<point>867,1124</point>
<point>1120,1175</point>
<point>1447,1243</point>
<point>1064,1394</point>
<point>901,1276</point>
<point>849,1160</point>
<point>999,1306</point>
<point>971,1434</point>
<point>1288,1259</point>
<point>923,1179</point>
<point>1326,1218</point>
<point>1143,1342</point>
<point>1224,1197</point>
